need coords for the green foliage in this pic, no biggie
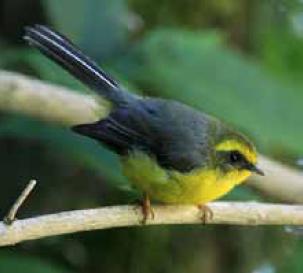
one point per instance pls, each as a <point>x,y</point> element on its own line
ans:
<point>98,26</point>
<point>193,14</point>
<point>14,263</point>
<point>282,54</point>
<point>293,263</point>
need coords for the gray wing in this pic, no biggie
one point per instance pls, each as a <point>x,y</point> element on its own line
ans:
<point>173,133</point>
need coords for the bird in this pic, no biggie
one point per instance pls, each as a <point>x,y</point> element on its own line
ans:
<point>172,153</point>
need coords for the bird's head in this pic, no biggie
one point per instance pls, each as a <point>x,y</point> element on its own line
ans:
<point>235,156</point>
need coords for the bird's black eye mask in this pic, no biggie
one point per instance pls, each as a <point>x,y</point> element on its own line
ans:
<point>236,160</point>
<point>233,158</point>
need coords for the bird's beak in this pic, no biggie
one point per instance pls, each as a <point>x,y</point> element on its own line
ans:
<point>255,169</point>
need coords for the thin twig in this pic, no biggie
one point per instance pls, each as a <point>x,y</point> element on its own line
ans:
<point>231,213</point>
<point>11,215</point>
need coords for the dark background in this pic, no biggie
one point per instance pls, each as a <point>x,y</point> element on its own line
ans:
<point>239,60</point>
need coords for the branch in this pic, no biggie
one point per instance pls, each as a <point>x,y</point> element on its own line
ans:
<point>31,97</point>
<point>233,213</point>
<point>11,215</point>
<point>21,94</point>
<point>280,181</point>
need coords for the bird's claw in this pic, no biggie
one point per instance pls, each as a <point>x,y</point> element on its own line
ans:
<point>206,213</point>
<point>147,210</point>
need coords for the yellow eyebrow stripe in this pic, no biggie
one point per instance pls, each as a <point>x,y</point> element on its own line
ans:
<point>234,145</point>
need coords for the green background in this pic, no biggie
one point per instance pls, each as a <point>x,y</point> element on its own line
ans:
<point>241,61</point>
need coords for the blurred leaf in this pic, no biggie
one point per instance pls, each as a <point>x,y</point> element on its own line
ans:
<point>195,67</point>
<point>282,53</point>
<point>100,27</point>
<point>192,13</point>
<point>12,263</point>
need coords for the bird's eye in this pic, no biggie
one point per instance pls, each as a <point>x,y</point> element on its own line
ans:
<point>234,156</point>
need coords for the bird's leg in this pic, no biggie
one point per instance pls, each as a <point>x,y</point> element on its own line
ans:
<point>147,209</point>
<point>206,213</point>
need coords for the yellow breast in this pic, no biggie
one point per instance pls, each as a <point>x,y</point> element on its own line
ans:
<point>196,187</point>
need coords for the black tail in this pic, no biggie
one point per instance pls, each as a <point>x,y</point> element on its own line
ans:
<point>66,54</point>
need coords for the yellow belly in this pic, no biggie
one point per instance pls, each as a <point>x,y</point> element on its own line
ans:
<point>196,187</point>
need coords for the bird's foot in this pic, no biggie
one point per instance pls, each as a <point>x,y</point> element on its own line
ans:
<point>206,213</point>
<point>147,210</point>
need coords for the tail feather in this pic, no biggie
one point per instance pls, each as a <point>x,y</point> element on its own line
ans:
<point>66,54</point>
